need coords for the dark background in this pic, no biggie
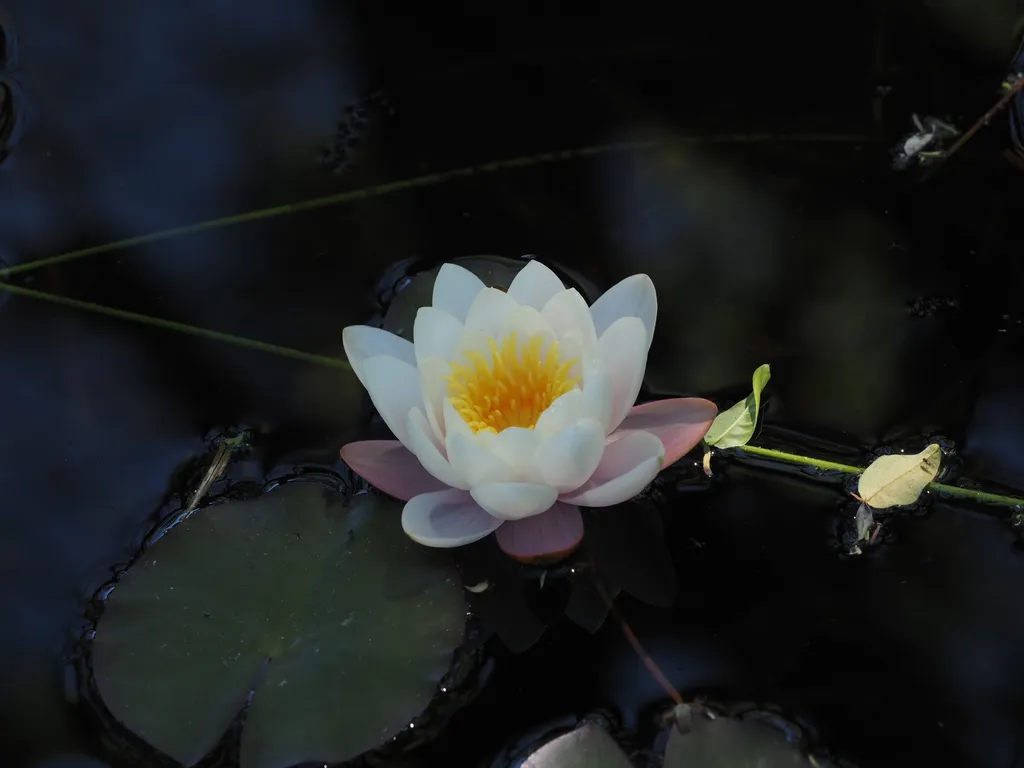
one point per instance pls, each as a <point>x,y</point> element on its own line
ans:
<point>887,303</point>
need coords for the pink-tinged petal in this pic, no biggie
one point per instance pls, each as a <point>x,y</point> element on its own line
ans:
<point>446,519</point>
<point>390,467</point>
<point>627,466</point>
<point>546,537</point>
<point>680,423</point>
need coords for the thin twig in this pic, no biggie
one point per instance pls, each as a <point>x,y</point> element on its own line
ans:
<point>645,657</point>
<point>984,119</point>
<point>216,469</point>
<point>428,180</point>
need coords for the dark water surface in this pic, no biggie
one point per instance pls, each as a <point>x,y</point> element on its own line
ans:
<point>889,307</point>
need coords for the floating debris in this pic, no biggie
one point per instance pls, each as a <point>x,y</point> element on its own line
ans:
<point>925,145</point>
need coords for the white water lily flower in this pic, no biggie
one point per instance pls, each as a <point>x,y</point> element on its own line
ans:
<point>513,409</point>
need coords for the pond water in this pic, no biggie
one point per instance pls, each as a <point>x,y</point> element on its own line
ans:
<point>739,159</point>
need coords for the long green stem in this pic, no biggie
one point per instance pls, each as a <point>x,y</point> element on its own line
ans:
<point>324,202</point>
<point>950,490</point>
<point>421,181</point>
<point>170,325</point>
<point>797,459</point>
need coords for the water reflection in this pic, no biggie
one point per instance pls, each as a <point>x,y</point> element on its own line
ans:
<point>805,257</point>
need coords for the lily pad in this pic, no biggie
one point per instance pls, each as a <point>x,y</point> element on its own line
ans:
<point>589,746</point>
<point>735,427</point>
<point>898,479</point>
<point>290,599</point>
<point>726,742</point>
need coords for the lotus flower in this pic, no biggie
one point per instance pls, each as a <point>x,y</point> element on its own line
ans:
<point>513,409</point>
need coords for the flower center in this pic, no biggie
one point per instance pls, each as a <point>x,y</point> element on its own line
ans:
<point>513,388</point>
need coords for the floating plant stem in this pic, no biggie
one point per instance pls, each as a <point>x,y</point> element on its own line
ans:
<point>797,459</point>
<point>1012,89</point>
<point>416,182</point>
<point>645,657</point>
<point>940,488</point>
<point>968,493</point>
<point>171,325</point>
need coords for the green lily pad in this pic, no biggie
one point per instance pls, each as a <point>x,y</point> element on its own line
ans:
<point>735,427</point>
<point>295,600</point>
<point>726,742</point>
<point>589,746</point>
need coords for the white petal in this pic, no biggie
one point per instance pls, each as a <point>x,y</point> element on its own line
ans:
<point>472,341</point>
<point>627,466</point>
<point>633,297</point>
<point>433,371</point>
<point>475,462</point>
<point>527,322</point>
<point>565,410</point>
<point>569,315</point>
<point>435,333</point>
<point>569,458</point>
<point>423,443</point>
<point>517,447</point>
<point>623,354</point>
<point>446,519</point>
<point>454,423</point>
<point>534,285</point>
<point>490,311</point>
<point>395,390</point>
<point>597,394</point>
<point>514,501</point>
<point>362,342</point>
<point>454,290</point>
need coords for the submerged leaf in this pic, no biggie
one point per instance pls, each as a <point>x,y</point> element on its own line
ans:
<point>898,479</point>
<point>864,520</point>
<point>589,746</point>
<point>735,427</point>
<point>290,596</point>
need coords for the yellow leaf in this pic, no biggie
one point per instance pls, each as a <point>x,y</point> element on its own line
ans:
<point>896,480</point>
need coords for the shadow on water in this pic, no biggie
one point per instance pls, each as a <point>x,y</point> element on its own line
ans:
<point>889,309</point>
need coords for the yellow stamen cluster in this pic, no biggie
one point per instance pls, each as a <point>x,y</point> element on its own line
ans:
<point>512,389</point>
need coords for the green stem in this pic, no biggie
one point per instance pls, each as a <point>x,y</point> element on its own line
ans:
<point>170,325</point>
<point>797,459</point>
<point>415,183</point>
<point>949,490</point>
<point>338,198</point>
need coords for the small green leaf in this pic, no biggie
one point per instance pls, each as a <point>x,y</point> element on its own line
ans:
<point>898,479</point>
<point>735,427</point>
<point>339,625</point>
